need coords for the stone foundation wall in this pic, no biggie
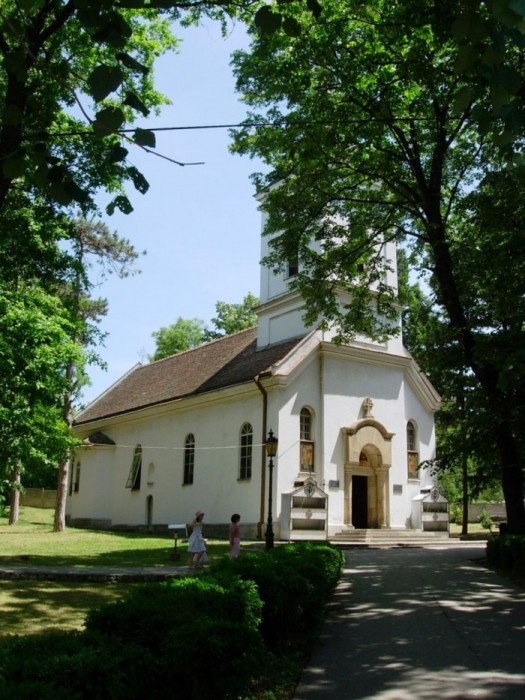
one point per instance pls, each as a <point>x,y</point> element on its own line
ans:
<point>496,511</point>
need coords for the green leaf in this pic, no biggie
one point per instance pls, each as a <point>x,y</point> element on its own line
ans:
<point>465,59</point>
<point>462,101</point>
<point>469,25</point>
<point>104,80</point>
<point>291,26</point>
<point>41,176</point>
<point>121,202</point>
<point>267,21</point>
<point>29,5</point>
<point>518,6</point>
<point>113,30</point>
<point>58,192</point>
<point>117,154</point>
<point>108,121</point>
<point>314,7</point>
<point>144,137</point>
<point>140,182</point>
<point>163,4</point>
<point>88,17</point>
<point>133,101</point>
<point>14,167</point>
<point>76,192</point>
<point>502,11</point>
<point>57,173</point>
<point>132,63</point>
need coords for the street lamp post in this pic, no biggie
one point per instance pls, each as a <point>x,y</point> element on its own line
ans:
<point>271,451</point>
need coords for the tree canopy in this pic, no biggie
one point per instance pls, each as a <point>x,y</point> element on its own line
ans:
<point>186,333</point>
<point>360,120</point>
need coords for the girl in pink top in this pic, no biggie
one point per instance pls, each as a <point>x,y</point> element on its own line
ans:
<point>235,536</point>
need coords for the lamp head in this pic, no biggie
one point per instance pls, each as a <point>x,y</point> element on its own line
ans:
<point>271,444</point>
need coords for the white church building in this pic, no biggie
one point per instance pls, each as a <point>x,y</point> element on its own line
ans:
<point>187,433</point>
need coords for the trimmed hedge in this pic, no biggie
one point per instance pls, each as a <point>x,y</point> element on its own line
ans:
<point>294,583</point>
<point>69,666</point>
<point>235,631</point>
<point>507,552</point>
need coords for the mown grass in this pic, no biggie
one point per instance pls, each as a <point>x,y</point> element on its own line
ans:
<point>31,607</point>
<point>32,540</point>
<point>475,532</point>
<point>28,607</point>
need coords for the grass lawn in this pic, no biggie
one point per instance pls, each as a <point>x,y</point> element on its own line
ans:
<point>32,539</point>
<point>34,606</point>
<point>475,532</point>
<point>30,607</point>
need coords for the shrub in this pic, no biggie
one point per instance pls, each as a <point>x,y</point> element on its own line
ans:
<point>69,666</point>
<point>493,552</point>
<point>236,632</point>
<point>294,582</point>
<point>507,552</point>
<point>208,658</point>
<point>486,521</point>
<point>202,636</point>
<point>161,607</point>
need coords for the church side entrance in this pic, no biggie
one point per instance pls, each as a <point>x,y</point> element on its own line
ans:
<point>366,476</point>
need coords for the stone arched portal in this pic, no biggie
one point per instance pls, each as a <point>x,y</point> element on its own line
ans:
<point>368,457</point>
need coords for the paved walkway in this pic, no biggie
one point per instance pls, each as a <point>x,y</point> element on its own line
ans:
<point>420,624</point>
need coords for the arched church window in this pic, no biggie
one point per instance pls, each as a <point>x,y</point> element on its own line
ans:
<point>412,450</point>
<point>134,475</point>
<point>306,440</point>
<point>189,459</point>
<point>245,471</point>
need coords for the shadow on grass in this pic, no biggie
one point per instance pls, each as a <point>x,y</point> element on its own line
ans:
<point>30,607</point>
<point>124,558</point>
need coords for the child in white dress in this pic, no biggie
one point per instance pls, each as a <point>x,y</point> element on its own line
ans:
<point>197,544</point>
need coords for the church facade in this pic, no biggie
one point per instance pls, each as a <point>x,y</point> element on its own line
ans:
<point>187,433</point>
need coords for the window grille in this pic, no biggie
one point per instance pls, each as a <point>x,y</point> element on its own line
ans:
<point>189,459</point>
<point>246,452</point>
<point>133,481</point>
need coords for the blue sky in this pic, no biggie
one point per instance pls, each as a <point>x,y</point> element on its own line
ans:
<point>199,224</point>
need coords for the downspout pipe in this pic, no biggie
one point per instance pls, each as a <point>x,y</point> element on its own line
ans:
<point>264,428</point>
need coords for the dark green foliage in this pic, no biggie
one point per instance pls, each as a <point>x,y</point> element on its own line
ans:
<point>166,606</point>
<point>507,552</point>
<point>239,631</point>
<point>70,666</point>
<point>379,117</point>
<point>202,636</point>
<point>207,657</point>
<point>294,582</point>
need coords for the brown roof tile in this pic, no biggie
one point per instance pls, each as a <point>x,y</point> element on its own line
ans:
<point>226,362</point>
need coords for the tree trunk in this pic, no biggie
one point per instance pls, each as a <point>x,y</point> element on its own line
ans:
<point>14,510</point>
<point>511,479</point>
<point>59,524</point>
<point>488,375</point>
<point>464,496</point>
<point>63,470</point>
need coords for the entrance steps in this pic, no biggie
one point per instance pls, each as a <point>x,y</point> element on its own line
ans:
<point>388,537</point>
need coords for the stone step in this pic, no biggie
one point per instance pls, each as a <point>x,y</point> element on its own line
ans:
<point>388,536</point>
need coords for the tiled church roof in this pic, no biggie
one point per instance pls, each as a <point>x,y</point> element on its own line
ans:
<point>226,362</point>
